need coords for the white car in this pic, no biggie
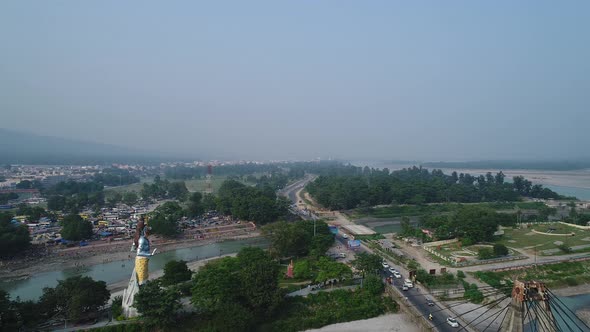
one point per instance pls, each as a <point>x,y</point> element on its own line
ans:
<point>392,270</point>
<point>344,236</point>
<point>452,321</point>
<point>385,265</point>
<point>408,283</point>
<point>397,275</point>
<point>404,287</point>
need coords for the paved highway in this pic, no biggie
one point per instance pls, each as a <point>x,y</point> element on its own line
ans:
<point>416,296</point>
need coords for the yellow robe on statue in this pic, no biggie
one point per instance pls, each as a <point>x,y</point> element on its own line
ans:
<point>141,269</point>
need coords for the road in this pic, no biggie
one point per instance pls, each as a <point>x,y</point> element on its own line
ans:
<point>291,190</point>
<point>416,296</point>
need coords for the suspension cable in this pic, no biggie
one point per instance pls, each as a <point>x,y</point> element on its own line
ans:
<point>497,314</point>
<point>466,312</point>
<point>455,304</point>
<point>505,314</point>
<point>543,317</point>
<point>476,318</point>
<point>553,296</point>
<point>557,310</point>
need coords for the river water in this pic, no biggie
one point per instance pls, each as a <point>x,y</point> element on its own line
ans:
<point>112,272</point>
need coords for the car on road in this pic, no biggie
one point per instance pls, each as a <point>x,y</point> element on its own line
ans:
<point>342,255</point>
<point>452,321</point>
<point>405,287</point>
<point>429,302</point>
<point>344,236</point>
<point>397,275</point>
<point>408,283</point>
<point>392,270</point>
<point>385,265</point>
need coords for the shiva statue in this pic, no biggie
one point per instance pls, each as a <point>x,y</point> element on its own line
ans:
<point>140,275</point>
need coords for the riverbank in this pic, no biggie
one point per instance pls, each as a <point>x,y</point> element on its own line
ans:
<point>94,254</point>
<point>390,323</point>
<point>572,290</point>
<point>584,315</point>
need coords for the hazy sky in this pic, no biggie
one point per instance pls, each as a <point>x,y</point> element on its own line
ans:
<point>439,80</point>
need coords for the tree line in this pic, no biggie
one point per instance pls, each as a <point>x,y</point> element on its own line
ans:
<point>364,187</point>
<point>197,172</point>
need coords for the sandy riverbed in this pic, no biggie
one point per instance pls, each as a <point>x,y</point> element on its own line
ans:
<point>387,323</point>
<point>572,290</point>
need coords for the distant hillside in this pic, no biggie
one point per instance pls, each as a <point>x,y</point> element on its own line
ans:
<point>563,165</point>
<point>24,148</point>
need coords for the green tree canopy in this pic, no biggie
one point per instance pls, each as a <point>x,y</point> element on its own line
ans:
<point>195,205</point>
<point>175,272</point>
<point>247,283</point>
<point>164,220</point>
<point>156,304</point>
<point>130,198</point>
<point>500,250</point>
<point>367,263</point>
<point>74,298</point>
<point>13,237</point>
<point>297,239</point>
<point>75,228</point>
<point>8,313</point>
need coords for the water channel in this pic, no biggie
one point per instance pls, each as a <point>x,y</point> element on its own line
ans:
<point>112,272</point>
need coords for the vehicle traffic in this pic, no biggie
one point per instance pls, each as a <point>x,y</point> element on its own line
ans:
<point>452,321</point>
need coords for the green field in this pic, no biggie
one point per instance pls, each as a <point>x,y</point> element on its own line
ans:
<point>525,239</point>
<point>192,185</point>
<point>416,210</point>
<point>554,275</point>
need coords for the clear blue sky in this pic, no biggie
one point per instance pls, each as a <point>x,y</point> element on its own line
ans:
<point>426,80</point>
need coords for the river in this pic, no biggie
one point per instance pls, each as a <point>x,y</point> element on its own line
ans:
<point>112,272</point>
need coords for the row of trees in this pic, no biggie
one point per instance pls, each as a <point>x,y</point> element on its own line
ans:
<point>129,198</point>
<point>115,177</point>
<point>369,187</point>
<point>164,189</point>
<point>196,172</point>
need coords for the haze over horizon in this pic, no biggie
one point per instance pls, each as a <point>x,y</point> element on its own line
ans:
<point>268,80</point>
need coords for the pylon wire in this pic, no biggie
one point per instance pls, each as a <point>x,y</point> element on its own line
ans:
<point>497,315</point>
<point>553,296</point>
<point>557,310</point>
<point>476,318</point>
<point>466,312</point>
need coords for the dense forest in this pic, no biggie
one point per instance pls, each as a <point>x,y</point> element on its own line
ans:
<point>260,205</point>
<point>348,187</point>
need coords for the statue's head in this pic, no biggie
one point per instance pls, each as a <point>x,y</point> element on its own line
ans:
<point>141,229</point>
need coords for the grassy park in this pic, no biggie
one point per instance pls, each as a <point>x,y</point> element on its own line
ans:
<point>394,211</point>
<point>554,275</point>
<point>525,238</point>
